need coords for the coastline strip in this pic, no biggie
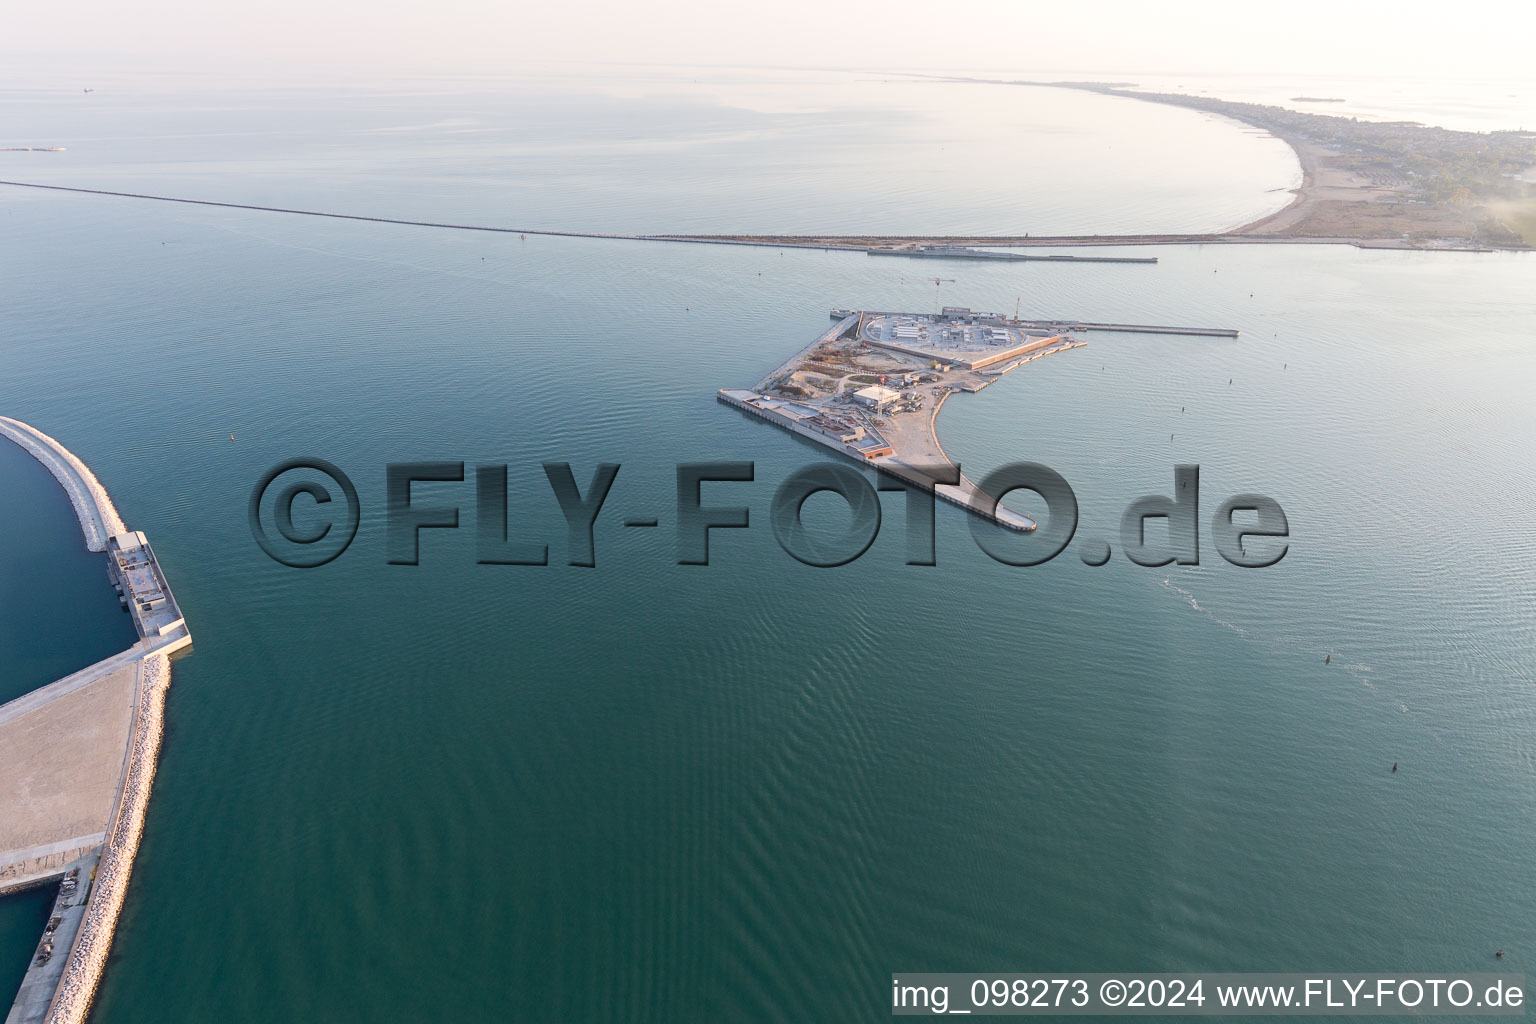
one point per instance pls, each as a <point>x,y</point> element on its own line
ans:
<point>828,243</point>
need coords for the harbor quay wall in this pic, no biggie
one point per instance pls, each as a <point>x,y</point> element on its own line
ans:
<point>977,506</point>
<point>24,869</point>
<point>973,502</point>
<point>793,426</point>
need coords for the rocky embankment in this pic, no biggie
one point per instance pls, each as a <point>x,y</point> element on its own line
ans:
<point>89,957</point>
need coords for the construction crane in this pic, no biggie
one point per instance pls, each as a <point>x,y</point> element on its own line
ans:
<point>938,282</point>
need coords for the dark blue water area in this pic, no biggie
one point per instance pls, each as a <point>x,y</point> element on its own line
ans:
<point>61,613</point>
<point>23,916</point>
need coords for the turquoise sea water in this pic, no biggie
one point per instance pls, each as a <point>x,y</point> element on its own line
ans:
<point>23,916</point>
<point>757,152</point>
<point>752,790</point>
<point>60,614</point>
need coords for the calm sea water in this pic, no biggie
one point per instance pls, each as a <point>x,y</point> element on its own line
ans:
<point>60,616</point>
<point>754,789</point>
<point>23,916</point>
<point>762,152</point>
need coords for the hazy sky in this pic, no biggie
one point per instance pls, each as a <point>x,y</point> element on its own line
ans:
<point>1472,39</point>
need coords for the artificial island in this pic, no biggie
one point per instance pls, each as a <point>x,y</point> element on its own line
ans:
<point>871,386</point>
<point>78,757</point>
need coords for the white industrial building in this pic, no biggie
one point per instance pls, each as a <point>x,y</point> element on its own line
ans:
<point>876,397</point>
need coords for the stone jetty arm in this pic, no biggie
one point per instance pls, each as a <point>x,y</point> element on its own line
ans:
<point>89,957</point>
<point>98,516</point>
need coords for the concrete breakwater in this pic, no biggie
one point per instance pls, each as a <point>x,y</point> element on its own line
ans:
<point>98,516</point>
<point>78,758</point>
<point>88,958</point>
<point>876,244</point>
<point>965,252</point>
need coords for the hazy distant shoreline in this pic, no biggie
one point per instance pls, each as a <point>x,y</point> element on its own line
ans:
<point>1391,184</point>
<point>1363,184</point>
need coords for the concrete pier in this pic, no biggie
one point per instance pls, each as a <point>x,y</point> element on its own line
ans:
<point>1081,326</point>
<point>62,759</point>
<point>78,756</point>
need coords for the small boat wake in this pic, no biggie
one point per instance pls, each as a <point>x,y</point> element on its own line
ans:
<point>1360,673</point>
<point>1189,597</point>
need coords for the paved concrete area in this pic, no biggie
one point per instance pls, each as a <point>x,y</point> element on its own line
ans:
<point>61,762</point>
<point>29,702</point>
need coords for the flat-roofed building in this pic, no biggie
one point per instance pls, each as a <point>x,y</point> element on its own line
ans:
<point>876,397</point>
<point>144,590</point>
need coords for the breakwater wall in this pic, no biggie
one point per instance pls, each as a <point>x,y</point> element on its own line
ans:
<point>966,495</point>
<point>1082,326</point>
<point>335,216</point>
<point>88,958</point>
<point>98,516</point>
<point>847,243</point>
<point>939,252</point>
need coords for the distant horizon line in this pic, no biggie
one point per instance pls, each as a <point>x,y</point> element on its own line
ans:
<point>220,66</point>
